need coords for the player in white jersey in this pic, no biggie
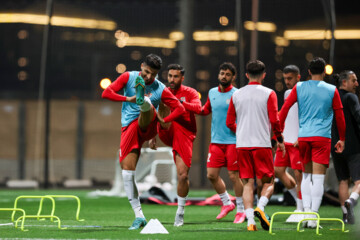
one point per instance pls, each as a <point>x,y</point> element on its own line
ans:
<point>291,74</point>
<point>252,113</point>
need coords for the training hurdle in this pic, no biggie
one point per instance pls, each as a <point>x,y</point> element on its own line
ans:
<point>318,223</point>
<point>16,210</point>
<point>65,196</point>
<point>36,197</point>
<point>289,213</point>
<point>36,216</point>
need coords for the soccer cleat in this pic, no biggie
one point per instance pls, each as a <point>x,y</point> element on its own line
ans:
<point>179,220</point>
<point>138,223</point>
<point>140,90</point>
<point>252,228</point>
<point>312,224</point>
<point>263,218</point>
<point>240,217</point>
<point>345,218</point>
<point>295,217</point>
<point>225,210</point>
<point>350,211</point>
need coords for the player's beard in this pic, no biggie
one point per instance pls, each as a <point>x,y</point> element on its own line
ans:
<point>225,84</point>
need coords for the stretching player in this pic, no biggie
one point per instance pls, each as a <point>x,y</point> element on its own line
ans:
<point>252,113</point>
<point>180,134</point>
<point>139,120</point>
<point>347,163</point>
<point>317,101</point>
<point>222,151</point>
<point>291,74</point>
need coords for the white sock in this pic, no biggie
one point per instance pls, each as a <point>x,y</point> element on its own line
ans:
<point>250,216</point>
<point>344,210</point>
<point>239,204</point>
<point>146,106</point>
<point>354,196</point>
<point>306,190</point>
<point>132,192</point>
<point>299,204</point>
<point>293,193</point>
<point>225,198</point>
<point>181,205</point>
<point>262,203</point>
<point>317,191</point>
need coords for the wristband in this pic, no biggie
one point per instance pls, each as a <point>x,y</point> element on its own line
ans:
<point>280,139</point>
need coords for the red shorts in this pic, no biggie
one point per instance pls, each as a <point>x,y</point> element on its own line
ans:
<point>222,155</point>
<point>132,137</point>
<point>255,160</point>
<point>315,151</point>
<point>180,139</point>
<point>291,159</point>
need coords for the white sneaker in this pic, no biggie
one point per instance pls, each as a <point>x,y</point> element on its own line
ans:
<point>295,217</point>
<point>179,220</point>
<point>312,224</point>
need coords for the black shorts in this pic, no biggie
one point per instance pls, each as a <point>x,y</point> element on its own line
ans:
<point>347,166</point>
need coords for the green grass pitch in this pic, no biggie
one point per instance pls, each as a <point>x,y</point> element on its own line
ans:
<point>110,217</point>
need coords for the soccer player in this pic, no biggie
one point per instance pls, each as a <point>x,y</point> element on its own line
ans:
<point>252,113</point>
<point>317,104</point>
<point>180,134</point>
<point>142,94</point>
<point>347,163</point>
<point>291,75</point>
<point>222,152</point>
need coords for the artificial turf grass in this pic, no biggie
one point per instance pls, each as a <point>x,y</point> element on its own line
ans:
<point>110,217</point>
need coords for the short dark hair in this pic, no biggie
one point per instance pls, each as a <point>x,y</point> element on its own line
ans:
<point>291,69</point>
<point>153,61</point>
<point>228,65</point>
<point>255,68</point>
<point>317,66</point>
<point>338,78</point>
<point>175,66</point>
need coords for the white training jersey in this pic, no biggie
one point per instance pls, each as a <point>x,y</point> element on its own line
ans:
<point>253,124</point>
<point>291,130</point>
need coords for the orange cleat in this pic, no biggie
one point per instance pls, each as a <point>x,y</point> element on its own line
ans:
<point>251,228</point>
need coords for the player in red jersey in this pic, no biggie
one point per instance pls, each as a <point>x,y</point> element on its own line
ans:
<point>180,134</point>
<point>138,120</point>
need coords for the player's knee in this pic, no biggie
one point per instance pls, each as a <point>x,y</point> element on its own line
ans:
<point>183,176</point>
<point>212,177</point>
<point>234,176</point>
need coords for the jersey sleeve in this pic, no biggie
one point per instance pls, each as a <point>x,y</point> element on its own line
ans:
<point>272,107</point>
<point>339,115</point>
<point>289,101</point>
<point>177,109</point>
<point>111,91</point>
<point>231,116</point>
<point>194,105</point>
<point>206,109</point>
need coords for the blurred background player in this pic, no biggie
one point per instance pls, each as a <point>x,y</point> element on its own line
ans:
<point>139,121</point>
<point>180,134</point>
<point>347,163</point>
<point>253,112</point>
<point>291,75</point>
<point>318,102</point>
<point>222,150</point>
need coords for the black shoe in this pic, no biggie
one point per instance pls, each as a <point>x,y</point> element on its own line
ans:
<point>350,211</point>
<point>345,218</point>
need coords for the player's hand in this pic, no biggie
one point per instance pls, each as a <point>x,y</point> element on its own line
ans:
<point>339,146</point>
<point>296,144</point>
<point>152,143</point>
<point>131,99</point>
<point>281,146</point>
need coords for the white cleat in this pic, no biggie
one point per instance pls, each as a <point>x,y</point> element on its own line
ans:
<point>295,217</point>
<point>179,220</point>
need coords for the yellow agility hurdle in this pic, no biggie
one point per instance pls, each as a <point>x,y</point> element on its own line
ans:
<point>289,213</point>
<point>16,210</point>
<point>40,207</point>
<point>318,223</point>
<point>66,196</point>
<point>22,219</point>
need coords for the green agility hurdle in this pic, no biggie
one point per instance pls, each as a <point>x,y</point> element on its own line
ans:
<point>318,223</point>
<point>289,213</point>
<point>22,218</point>
<point>67,196</point>
<point>40,206</point>
<point>16,210</point>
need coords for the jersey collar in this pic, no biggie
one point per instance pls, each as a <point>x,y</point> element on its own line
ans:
<point>226,89</point>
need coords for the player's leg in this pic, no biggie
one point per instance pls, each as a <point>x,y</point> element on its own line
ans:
<point>182,188</point>
<point>343,196</point>
<point>287,180</point>
<point>238,190</point>
<point>298,179</point>
<point>354,167</point>
<point>128,164</point>
<point>147,114</point>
